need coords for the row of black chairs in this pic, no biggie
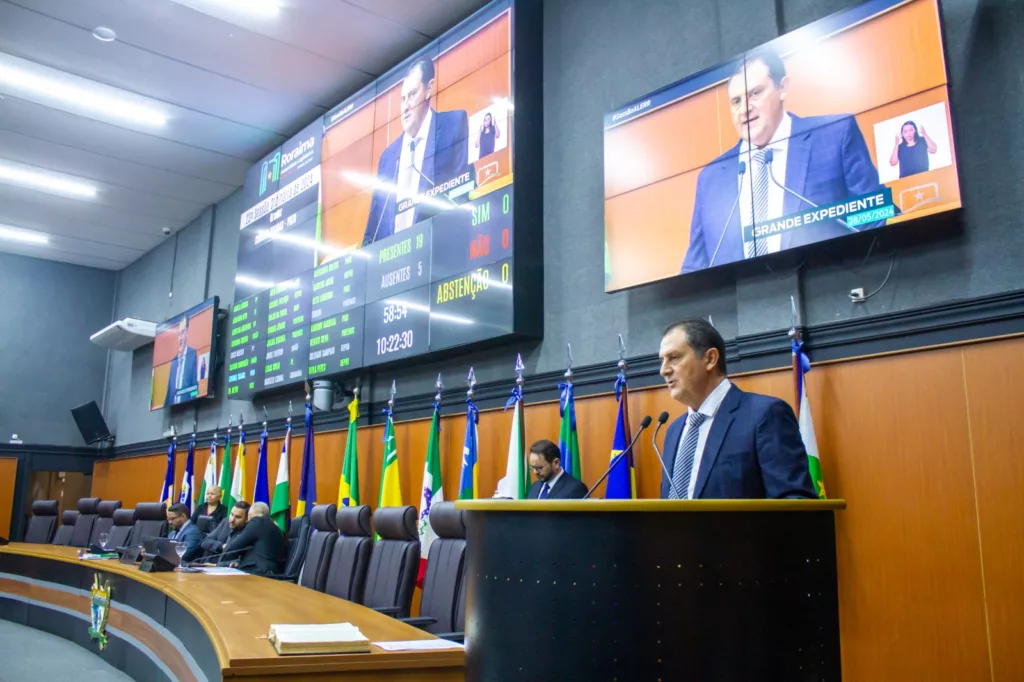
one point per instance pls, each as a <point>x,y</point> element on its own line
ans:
<point>382,574</point>
<point>83,527</point>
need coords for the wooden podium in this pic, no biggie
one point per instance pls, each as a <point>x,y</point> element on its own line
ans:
<point>723,590</point>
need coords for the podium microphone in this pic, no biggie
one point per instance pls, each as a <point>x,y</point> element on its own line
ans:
<point>210,558</point>
<point>743,170</point>
<point>662,418</point>
<point>643,425</point>
<point>769,156</point>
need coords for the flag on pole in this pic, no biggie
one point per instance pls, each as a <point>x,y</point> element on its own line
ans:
<point>261,493</point>
<point>622,479</point>
<point>568,438</point>
<point>238,486</point>
<point>469,480</point>
<point>210,475</point>
<point>802,365</point>
<point>281,507</point>
<point>307,479</point>
<point>348,484</point>
<point>516,483</point>
<point>167,491</point>
<point>432,491</point>
<point>390,485</point>
<point>187,479</point>
<point>225,472</point>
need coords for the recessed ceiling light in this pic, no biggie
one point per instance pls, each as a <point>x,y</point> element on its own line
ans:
<point>105,34</point>
<point>43,180</point>
<point>17,234</point>
<point>51,87</point>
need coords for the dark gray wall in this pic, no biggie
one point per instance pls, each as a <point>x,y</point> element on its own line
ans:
<point>48,310</point>
<point>599,54</point>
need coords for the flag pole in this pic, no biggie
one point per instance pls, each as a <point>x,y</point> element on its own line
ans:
<point>794,335</point>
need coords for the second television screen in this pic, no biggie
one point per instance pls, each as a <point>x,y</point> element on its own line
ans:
<point>839,127</point>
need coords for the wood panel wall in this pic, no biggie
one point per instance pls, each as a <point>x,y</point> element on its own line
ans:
<point>8,479</point>
<point>924,446</point>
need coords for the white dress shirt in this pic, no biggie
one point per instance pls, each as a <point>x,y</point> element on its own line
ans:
<point>779,144</point>
<point>708,408</point>
<point>411,161</point>
<point>551,483</point>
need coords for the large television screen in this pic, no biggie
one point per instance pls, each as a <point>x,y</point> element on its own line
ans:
<point>182,354</point>
<point>386,229</point>
<point>839,127</point>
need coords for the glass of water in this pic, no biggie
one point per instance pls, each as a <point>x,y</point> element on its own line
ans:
<point>179,548</point>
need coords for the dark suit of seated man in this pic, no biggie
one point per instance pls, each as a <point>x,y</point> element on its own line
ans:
<point>184,531</point>
<point>728,443</point>
<point>553,482</point>
<point>261,543</point>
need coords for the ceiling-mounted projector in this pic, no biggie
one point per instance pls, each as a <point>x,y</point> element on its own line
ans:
<point>126,334</point>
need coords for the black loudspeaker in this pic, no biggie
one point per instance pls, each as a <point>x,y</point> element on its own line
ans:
<point>91,424</point>
<point>156,564</point>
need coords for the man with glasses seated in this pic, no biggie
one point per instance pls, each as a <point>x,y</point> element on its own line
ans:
<point>553,482</point>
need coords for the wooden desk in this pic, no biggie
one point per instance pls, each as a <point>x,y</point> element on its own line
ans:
<point>189,626</point>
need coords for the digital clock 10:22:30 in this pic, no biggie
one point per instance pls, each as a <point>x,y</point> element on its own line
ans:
<point>397,327</point>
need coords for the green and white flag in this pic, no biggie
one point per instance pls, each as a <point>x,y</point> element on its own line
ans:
<point>802,365</point>
<point>225,473</point>
<point>210,475</point>
<point>281,504</point>
<point>432,492</point>
<point>516,483</point>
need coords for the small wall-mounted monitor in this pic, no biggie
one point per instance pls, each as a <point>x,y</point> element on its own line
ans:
<point>183,355</point>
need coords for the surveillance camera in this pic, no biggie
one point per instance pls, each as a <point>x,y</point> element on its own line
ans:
<point>166,231</point>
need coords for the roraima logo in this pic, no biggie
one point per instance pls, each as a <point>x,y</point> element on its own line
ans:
<point>270,172</point>
<point>304,146</point>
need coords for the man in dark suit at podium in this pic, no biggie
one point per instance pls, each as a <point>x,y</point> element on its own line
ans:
<point>553,483</point>
<point>729,443</point>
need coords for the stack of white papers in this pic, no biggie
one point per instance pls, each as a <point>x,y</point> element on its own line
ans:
<point>318,638</point>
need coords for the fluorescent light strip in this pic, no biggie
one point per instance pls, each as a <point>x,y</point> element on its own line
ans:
<point>266,8</point>
<point>17,234</point>
<point>458,319</point>
<point>111,107</point>
<point>27,176</point>
<point>326,249</point>
<point>253,282</point>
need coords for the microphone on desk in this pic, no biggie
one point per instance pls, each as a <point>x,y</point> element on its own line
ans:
<point>769,156</point>
<point>742,171</point>
<point>210,558</point>
<point>643,425</point>
<point>662,418</point>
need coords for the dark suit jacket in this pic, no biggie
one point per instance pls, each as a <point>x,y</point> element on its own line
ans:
<point>754,450</point>
<point>218,515</point>
<point>827,161</point>
<point>215,541</point>
<point>189,378</point>
<point>566,488</point>
<point>265,547</point>
<point>191,536</point>
<point>446,156</point>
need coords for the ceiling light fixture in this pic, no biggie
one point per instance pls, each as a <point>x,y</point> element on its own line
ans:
<point>78,97</point>
<point>16,234</point>
<point>44,181</point>
<point>104,34</point>
<point>267,8</point>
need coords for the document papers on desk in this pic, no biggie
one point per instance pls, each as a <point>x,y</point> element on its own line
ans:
<point>418,645</point>
<point>220,570</point>
<point>318,638</point>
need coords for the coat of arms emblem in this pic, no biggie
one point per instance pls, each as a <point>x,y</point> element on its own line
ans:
<point>100,608</point>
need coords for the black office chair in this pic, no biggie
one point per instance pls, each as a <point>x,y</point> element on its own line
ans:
<point>67,527</point>
<point>445,572</point>
<point>321,543</point>
<point>205,524</point>
<point>346,575</point>
<point>87,514</point>
<point>150,522</point>
<point>121,532</point>
<point>43,523</point>
<point>394,561</point>
<point>104,521</point>
<point>298,546</point>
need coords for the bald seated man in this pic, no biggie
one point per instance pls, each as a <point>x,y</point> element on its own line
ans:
<point>211,507</point>
<point>260,547</point>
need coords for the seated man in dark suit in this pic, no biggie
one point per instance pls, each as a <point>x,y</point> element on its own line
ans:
<point>183,530</point>
<point>728,443</point>
<point>216,542</point>
<point>553,482</point>
<point>261,543</point>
